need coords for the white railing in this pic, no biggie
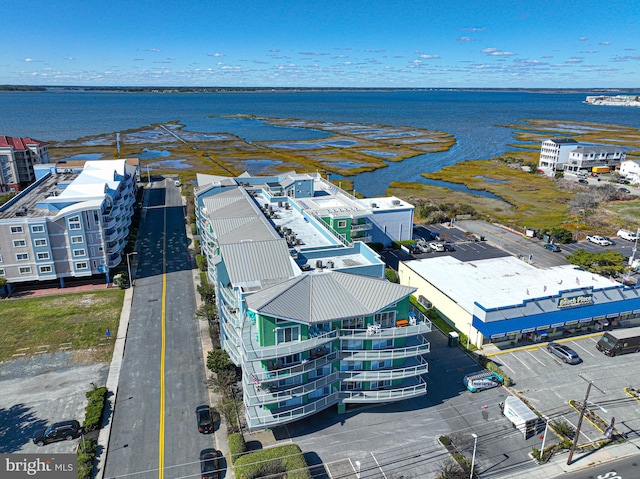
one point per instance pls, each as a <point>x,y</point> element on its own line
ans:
<point>387,374</point>
<point>265,396</point>
<point>382,354</point>
<point>257,353</point>
<point>361,227</point>
<point>385,395</point>
<point>256,421</point>
<point>387,333</point>
<point>282,373</point>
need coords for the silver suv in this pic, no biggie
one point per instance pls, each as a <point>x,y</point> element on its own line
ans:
<point>565,353</point>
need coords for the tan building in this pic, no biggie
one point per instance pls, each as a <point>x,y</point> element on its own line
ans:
<point>17,157</point>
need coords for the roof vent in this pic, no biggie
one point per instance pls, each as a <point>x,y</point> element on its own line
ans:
<point>395,202</point>
<point>318,264</point>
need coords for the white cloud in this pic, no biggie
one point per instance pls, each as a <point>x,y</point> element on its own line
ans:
<point>494,52</point>
<point>575,60</point>
<point>463,39</point>
<point>217,55</point>
<point>28,60</point>
<point>583,39</point>
<point>473,29</point>
<point>605,43</point>
<point>429,57</point>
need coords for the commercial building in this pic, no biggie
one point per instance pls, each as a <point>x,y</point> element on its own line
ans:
<point>69,223</point>
<point>554,152</point>
<point>303,305</point>
<point>17,157</point>
<point>583,158</point>
<point>508,300</point>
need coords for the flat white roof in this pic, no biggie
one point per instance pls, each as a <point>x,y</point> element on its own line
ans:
<point>502,281</point>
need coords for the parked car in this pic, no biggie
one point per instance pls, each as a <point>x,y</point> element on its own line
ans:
<point>448,247</point>
<point>413,249</point>
<point>583,181</point>
<point>627,235</point>
<point>422,244</point>
<point>598,240</point>
<point>58,431</point>
<point>625,190</point>
<point>210,464</point>
<point>207,418</point>
<point>623,181</point>
<point>611,242</point>
<point>439,247</point>
<point>552,247</point>
<point>565,353</point>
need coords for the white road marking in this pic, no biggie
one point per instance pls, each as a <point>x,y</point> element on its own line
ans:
<point>584,349</point>
<point>374,458</point>
<point>574,426</point>
<point>535,357</point>
<point>523,363</point>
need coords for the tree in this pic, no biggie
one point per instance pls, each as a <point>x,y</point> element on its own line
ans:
<point>561,235</point>
<point>208,292</point>
<point>218,361</point>
<point>605,263</point>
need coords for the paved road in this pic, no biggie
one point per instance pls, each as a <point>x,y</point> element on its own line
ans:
<point>627,468</point>
<point>141,446</point>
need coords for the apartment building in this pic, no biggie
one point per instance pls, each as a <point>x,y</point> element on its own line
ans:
<point>583,158</point>
<point>69,223</point>
<point>554,152</point>
<point>630,169</point>
<point>17,157</point>
<point>304,307</point>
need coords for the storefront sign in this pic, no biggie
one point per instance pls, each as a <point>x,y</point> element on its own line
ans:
<point>557,325</point>
<point>573,301</point>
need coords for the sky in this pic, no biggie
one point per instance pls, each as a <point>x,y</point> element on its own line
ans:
<point>328,43</point>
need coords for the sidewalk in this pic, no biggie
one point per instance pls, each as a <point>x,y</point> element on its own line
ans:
<point>557,466</point>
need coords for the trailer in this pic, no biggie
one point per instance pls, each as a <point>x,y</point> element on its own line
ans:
<point>620,341</point>
<point>522,417</point>
<point>483,380</point>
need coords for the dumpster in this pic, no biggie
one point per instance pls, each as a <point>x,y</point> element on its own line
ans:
<point>453,339</point>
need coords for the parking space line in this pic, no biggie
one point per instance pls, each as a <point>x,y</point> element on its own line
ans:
<point>374,458</point>
<point>584,349</point>
<point>534,357</point>
<point>574,426</point>
<point>524,364</point>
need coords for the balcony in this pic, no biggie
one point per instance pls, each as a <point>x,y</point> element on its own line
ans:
<point>419,388</point>
<point>391,374</point>
<point>255,395</point>
<point>361,227</point>
<point>260,418</point>
<point>276,374</point>
<point>401,331</point>
<point>255,352</point>
<point>383,354</point>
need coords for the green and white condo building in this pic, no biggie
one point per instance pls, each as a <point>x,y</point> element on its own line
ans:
<point>304,306</point>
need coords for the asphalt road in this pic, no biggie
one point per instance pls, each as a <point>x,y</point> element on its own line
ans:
<point>150,439</point>
<point>627,468</point>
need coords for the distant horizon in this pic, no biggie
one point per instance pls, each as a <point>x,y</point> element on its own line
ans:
<point>423,44</point>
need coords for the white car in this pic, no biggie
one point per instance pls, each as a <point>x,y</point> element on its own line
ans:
<point>598,240</point>
<point>439,247</point>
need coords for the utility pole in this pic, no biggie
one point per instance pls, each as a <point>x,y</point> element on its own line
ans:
<point>582,411</point>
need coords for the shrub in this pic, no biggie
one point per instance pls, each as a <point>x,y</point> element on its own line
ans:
<point>86,454</point>
<point>207,292</point>
<point>95,406</point>
<point>201,261</point>
<point>445,440</point>
<point>391,275</point>
<point>237,446</point>
<point>275,460</point>
<point>194,229</point>
<point>218,360</point>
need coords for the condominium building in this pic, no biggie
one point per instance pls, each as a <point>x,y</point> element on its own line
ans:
<point>69,223</point>
<point>304,307</point>
<point>584,158</point>
<point>17,157</point>
<point>630,169</point>
<point>554,152</point>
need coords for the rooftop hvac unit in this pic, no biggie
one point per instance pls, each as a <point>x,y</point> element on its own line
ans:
<point>305,267</point>
<point>266,206</point>
<point>330,264</point>
<point>395,202</point>
<point>374,205</point>
<point>279,204</point>
<point>319,264</point>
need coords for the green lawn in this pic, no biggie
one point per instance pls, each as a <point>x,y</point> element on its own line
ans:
<point>78,321</point>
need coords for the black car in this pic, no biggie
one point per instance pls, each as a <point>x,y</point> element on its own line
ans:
<point>625,190</point>
<point>210,463</point>
<point>583,181</point>
<point>448,247</point>
<point>58,431</point>
<point>207,418</point>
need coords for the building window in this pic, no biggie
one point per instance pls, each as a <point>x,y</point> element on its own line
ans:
<point>2,273</point>
<point>37,228</point>
<point>19,243</point>
<point>382,344</point>
<point>79,252</point>
<point>22,256</point>
<point>291,359</point>
<point>82,265</point>
<point>352,344</point>
<point>16,230</point>
<point>74,226</point>
<point>46,269</point>
<point>25,269</point>
<point>77,239</point>
<point>386,319</point>
<point>342,223</point>
<point>96,218</point>
<point>353,323</point>
<point>41,242</point>
<point>287,335</point>
<point>43,256</point>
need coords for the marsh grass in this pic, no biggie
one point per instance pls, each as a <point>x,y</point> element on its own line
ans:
<point>78,320</point>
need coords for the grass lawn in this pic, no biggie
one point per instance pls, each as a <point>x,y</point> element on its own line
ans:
<point>77,321</point>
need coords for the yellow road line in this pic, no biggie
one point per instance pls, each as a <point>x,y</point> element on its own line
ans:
<point>162,350</point>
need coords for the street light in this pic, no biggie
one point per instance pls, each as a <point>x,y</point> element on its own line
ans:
<point>129,267</point>
<point>473,457</point>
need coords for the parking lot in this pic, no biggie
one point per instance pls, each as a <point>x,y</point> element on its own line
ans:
<point>548,384</point>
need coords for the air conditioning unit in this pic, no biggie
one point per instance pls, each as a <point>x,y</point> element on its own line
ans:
<point>395,202</point>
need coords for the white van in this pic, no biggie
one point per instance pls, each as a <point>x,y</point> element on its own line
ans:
<point>627,235</point>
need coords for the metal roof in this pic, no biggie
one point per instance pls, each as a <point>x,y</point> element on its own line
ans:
<point>322,297</point>
<point>258,263</point>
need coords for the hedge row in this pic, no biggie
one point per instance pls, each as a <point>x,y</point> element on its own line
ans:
<point>237,446</point>
<point>275,460</point>
<point>86,454</point>
<point>93,411</point>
